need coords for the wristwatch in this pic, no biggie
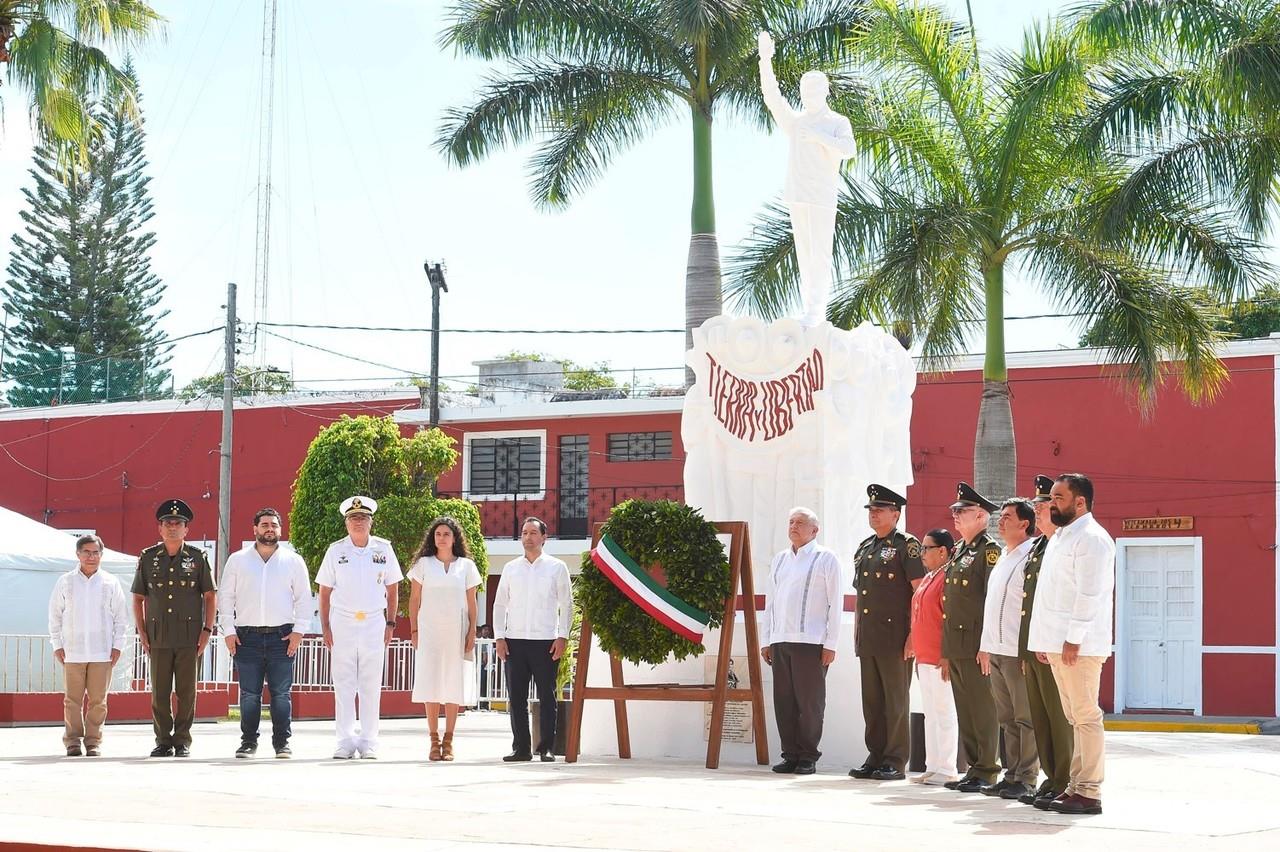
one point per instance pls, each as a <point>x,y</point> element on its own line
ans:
<point>391,624</point>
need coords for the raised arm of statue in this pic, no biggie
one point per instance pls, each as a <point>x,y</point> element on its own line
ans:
<point>783,115</point>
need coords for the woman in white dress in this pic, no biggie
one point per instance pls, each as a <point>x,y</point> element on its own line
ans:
<point>442,610</point>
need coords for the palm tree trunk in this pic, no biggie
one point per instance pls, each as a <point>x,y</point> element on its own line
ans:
<point>995,459</point>
<point>702,276</point>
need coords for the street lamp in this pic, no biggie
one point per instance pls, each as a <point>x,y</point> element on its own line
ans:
<point>435,275</point>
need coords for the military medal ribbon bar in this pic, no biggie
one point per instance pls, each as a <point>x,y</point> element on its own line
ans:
<point>636,583</point>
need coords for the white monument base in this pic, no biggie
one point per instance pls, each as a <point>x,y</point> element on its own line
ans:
<point>674,729</point>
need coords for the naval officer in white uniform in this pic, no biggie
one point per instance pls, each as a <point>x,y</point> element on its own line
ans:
<point>359,590</point>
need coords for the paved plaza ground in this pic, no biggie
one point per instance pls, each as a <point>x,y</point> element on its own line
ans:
<point>1164,791</point>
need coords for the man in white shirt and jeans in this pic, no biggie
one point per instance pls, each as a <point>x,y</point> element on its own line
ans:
<point>88,615</point>
<point>998,652</point>
<point>798,636</point>
<point>532,611</point>
<point>264,609</point>
<point>1071,630</point>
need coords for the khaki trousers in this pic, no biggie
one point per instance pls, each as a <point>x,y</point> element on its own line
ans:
<point>85,680</point>
<point>1078,686</point>
<point>1009,688</point>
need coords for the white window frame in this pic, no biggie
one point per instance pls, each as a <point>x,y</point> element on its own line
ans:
<point>540,434</point>
<point>1122,611</point>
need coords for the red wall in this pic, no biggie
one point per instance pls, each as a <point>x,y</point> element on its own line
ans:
<point>1216,463</point>
<point>109,473</point>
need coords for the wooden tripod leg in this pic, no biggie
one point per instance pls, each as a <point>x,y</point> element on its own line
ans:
<point>719,695</point>
<point>574,744</point>
<point>749,621</point>
<point>620,710</point>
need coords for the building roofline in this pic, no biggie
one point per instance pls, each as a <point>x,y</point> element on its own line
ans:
<point>1048,358</point>
<point>168,406</point>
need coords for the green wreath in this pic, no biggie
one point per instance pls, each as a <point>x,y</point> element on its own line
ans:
<point>685,544</point>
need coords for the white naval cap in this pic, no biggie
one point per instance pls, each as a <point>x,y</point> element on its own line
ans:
<point>358,505</point>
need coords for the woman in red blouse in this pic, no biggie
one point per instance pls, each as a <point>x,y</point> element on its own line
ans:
<point>925,644</point>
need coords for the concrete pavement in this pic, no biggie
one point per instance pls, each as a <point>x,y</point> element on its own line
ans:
<point>1200,791</point>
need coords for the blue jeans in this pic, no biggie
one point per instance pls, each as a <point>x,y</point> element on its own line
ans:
<point>259,657</point>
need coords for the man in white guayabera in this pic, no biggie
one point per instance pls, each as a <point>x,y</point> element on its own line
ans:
<point>820,139</point>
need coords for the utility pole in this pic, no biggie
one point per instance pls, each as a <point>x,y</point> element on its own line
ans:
<point>224,466</point>
<point>435,274</point>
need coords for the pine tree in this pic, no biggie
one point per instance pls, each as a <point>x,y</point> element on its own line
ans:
<point>81,296</point>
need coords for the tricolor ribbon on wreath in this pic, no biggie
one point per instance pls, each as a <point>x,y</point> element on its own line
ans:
<point>635,582</point>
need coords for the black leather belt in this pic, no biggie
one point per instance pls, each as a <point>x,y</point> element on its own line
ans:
<point>276,629</point>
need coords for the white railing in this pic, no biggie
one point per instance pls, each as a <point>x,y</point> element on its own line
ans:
<point>27,664</point>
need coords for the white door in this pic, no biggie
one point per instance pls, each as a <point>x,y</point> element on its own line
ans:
<point>1162,626</point>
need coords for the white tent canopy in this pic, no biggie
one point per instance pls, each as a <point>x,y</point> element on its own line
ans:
<point>32,556</point>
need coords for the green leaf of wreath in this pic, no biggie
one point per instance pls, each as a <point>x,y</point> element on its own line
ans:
<point>697,570</point>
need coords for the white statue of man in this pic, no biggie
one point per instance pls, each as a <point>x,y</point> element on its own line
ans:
<point>820,140</point>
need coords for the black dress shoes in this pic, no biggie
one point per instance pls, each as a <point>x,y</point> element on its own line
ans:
<point>971,785</point>
<point>1015,791</point>
<point>1075,804</point>
<point>995,789</point>
<point>888,773</point>
<point>1042,800</point>
<point>805,767</point>
<point>547,756</point>
<point>182,751</point>
<point>955,785</point>
<point>517,757</point>
<point>1029,797</point>
<point>864,771</point>
<point>786,767</point>
<point>162,751</point>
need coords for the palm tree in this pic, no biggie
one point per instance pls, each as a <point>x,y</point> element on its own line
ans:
<point>967,168</point>
<point>53,49</point>
<point>592,77</point>
<point>1194,97</point>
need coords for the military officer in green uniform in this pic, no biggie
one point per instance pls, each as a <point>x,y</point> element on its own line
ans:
<point>887,569</point>
<point>173,609</point>
<point>963,601</point>
<point>1055,738</point>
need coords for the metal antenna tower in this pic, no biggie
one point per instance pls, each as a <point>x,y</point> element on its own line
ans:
<point>266,127</point>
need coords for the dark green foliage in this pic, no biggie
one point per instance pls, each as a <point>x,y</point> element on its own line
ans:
<point>367,455</point>
<point>1250,318</point>
<point>403,520</point>
<point>685,545</point>
<point>81,295</point>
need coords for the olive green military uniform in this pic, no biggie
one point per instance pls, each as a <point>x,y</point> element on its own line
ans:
<point>1055,738</point>
<point>174,587</point>
<point>884,569</point>
<point>963,601</point>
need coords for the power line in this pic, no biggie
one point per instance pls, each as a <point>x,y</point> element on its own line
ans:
<point>327,327</point>
<point>137,350</point>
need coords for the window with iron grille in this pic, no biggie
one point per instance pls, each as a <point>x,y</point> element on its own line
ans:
<point>639,446</point>
<point>505,465</point>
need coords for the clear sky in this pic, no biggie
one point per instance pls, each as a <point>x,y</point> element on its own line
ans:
<point>361,198</point>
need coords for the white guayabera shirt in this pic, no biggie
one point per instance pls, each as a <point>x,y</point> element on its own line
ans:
<point>1074,593</point>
